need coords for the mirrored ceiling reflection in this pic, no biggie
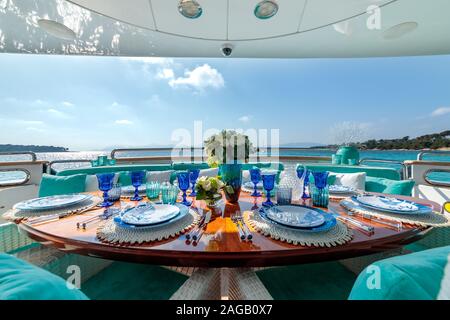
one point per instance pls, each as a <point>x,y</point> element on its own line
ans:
<point>22,30</point>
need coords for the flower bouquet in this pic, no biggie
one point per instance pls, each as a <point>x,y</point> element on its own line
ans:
<point>208,189</point>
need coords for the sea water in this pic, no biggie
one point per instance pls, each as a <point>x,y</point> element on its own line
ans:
<point>394,155</point>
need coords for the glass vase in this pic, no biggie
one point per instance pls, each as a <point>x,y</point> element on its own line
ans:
<point>231,175</point>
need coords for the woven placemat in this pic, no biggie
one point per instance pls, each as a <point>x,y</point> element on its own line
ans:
<point>14,214</point>
<point>112,233</point>
<point>432,219</point>
<point>337,235</point>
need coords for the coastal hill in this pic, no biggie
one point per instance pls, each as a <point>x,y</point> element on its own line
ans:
<point>430,141</point>
<point>33,148</point>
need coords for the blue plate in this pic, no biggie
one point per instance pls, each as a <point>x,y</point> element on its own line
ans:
<point>422,209</point>
<point>52,202</point>
<point>183,212</point>
<point>330,221</point>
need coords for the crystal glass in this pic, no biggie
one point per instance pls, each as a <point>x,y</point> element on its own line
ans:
<point>268,184</point>
<point>255,176</point>
<point>105,183</point>
<point>303,175</point>
<point>193,176</point>
<point>153,190</point>
<point>284,196</point>
<point>183,184</point>
<point>115,193</point>
<point>137,179</point>
<point>319,189</point>
<point>169,194</point>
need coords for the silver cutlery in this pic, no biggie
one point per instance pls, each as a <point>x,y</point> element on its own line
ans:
<point>195,229</point>
<point>353,222</point>
<point>197,236</point>
<point>247,232</point>
<point>54,217</point>
<point>109,212</point>
<point>385,221</point>
<point>240,230</point>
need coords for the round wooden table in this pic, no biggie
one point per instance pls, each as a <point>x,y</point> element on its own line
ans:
<point>220,245</point>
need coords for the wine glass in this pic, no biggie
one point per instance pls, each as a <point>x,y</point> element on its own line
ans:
<point>303,175</point>
<point>183,184</point>
<point>268,184</point>
<point>137,179</point>
<point>193,176</point>
<point>255,176</point>
<point>105,183</point>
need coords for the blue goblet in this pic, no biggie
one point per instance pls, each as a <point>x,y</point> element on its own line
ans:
<point>255,176</point>
<point>303,175</point>
<point>268,184</point>
<point>193,176</point>
<point>183,184</point>
<point>105,183</point>
<point>137,179</point>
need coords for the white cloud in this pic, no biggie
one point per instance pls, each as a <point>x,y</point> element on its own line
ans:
<point>124,122</point>
<point>245,118</point>
<point>58,114</point>
<point>440,111</point>
<point>165,73</point>
<point>67,104</point>
<point>200,78</point>
<point>31,122</point>
<point>34,129</point>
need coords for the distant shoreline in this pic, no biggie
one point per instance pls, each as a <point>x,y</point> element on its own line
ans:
<point>30,148</point>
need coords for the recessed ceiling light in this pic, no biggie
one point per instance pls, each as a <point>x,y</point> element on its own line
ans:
<point>57,29</point>
<point>266,9</point>
<point>190,9</point>
<point>399,30</point>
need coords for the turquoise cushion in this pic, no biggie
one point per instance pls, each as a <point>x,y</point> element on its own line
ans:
<point>53,185</point>
<point>403,187</point>
<point>124,178</point>
<point>20,280</point>
<point>416,276</point>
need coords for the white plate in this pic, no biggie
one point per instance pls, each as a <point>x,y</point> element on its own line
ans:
<point>336,189</point>
<point>295,216</point>
<point>52,202</point>
<point>150,214</point>
<point>385,203</point>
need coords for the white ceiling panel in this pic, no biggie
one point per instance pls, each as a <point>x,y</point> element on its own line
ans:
<point>137,12</point>
<point>244,25</point>
<point>212,24</point>
<point>322,12</point>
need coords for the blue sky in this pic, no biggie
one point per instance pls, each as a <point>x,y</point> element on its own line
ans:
<point>90,103</point>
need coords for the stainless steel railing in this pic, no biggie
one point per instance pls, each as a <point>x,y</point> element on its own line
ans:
<point>422,154</point>
<point>50,170</point>
<point>14,182</point>
<point>15,153</point>
<point>403,170</point>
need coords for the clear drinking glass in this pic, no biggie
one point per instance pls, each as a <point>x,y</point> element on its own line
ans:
<point>115,193</point>
<point>153,189</point>
<point>284,196</point>
<point>169,194</point>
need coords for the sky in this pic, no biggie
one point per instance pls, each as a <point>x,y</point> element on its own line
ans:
<point>96,103</point>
